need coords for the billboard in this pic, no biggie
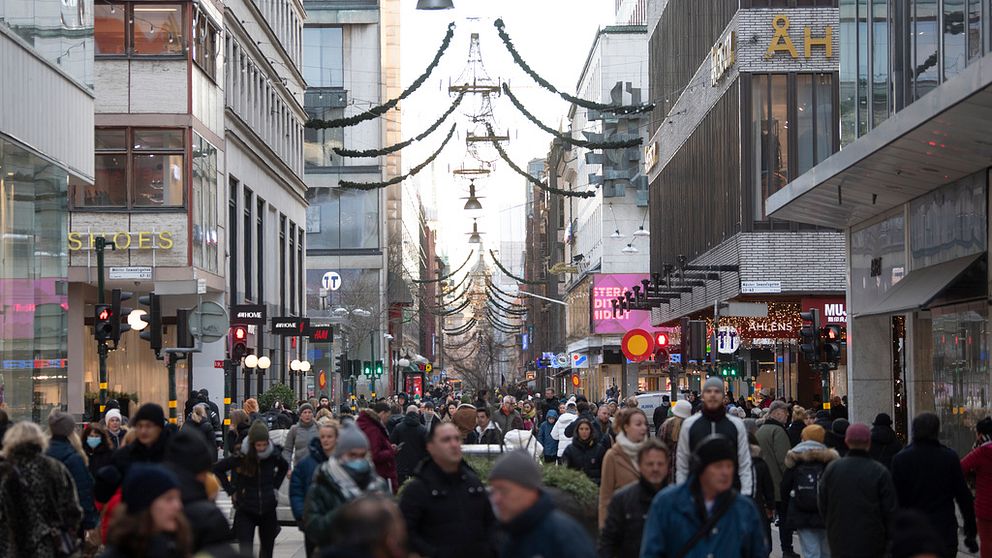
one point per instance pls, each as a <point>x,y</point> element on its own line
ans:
<point>605,288</point>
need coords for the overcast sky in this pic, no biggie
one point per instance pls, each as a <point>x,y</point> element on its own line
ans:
<point>553,36</point>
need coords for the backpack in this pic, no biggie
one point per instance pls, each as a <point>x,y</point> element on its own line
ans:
<point>805,488</point>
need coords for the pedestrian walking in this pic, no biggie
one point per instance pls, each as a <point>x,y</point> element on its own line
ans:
<point>628,509</point>
<point>549,444</point>
<point>321,449</point>
<point>256,473</point>
<point>341,479</point>
<point>670,430</point>
<point>373,424</point>
<point>40,514</point>
<point>297,445</point>
<point>533,526</point>
<point>978,464</point>
<point>98,447</point>
<point>371,526</point>
<point>857,500</point>
<point>775,445</point>
<point>150,521</point>
<point>199,421</point>
<point>150,439</point>
<point>604,425</point>
<point>620,463</point>
<point>529,416</point>
<point>64,446</point>
<point>115,428</point>
<point>763,491</point>
<point>191,460</point>
<point>713,419</point>
<point>507,417</point>
<point>445,506</point>
<point>564,420</point>
<point>410,437</point>
<point>428,416</point>
<point>805,465</point>
<point>797,424</point>
<point>884,442</point>
<point>487,431</point>
<point>705,516</point>
<point>928,477</point>
<point>586,451</point>
<point>465,418</point>
<point>236,432</point>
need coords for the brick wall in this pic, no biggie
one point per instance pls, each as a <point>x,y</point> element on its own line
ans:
<point>755,33</point>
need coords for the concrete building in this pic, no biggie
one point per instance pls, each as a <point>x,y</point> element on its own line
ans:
<point>909,193</point>
<point>46,113</point>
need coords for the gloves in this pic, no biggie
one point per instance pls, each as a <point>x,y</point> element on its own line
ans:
<point>971,544</point>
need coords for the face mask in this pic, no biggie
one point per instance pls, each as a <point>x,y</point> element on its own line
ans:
<point>93,442</point>
<point>357,466</point>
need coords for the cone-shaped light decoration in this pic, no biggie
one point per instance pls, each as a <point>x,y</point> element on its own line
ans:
<point>629,249</point>
<point>616,234</point>
<point>473,200</point>
<point>435,4</point>
<point>474,237</point>
<point>641,232</point>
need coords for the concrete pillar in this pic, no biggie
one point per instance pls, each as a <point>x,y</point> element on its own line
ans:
<point>76,387</point>
<point>869,381</point>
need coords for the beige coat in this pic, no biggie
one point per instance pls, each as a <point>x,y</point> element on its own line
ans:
<point>618,472</point>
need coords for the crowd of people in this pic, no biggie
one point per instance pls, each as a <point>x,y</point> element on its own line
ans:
<point>708,476</point>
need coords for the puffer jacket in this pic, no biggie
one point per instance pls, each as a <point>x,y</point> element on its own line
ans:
<point>381,450</point>
<point>543,531</point>
<point>884,445</point>
<point>674,518</point>
<point>59,448</point>
<point>302,477</point>
<point>978,462</point>
<point>298,442</point>
<point>256,493</point>
<point>411,438</point>
<point>544,436</point>
<point>806,453</point>
<point>625,515</point>
<point>586,456</point>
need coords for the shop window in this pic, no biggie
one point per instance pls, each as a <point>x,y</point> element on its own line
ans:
<point>136,168</point>
<point>205,40</point>
<point>323,56</point>
<point>139,29</point>
<point>878,259</point>
<point>949,223</point>
<point>961,379</point>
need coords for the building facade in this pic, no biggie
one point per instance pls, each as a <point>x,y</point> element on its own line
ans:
<point>909,191</point>
<point>46,113</point>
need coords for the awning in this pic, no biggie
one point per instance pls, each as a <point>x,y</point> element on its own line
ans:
<point>916,290</point>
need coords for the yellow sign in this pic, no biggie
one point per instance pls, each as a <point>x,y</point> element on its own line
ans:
<point>123,240</point>
<point>782,42</point>
<point>428,367</point>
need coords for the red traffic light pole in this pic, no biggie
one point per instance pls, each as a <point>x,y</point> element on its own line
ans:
<point>100,243</point>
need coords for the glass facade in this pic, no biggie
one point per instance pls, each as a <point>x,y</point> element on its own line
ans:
<point>962,383</point>
<point>340,219</point>
<point>33,283</point>
<point>323,56</point>
<point>61,32</point>
<point>205,233</point>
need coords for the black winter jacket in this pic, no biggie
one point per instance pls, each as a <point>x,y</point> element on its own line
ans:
<point>60,449</point>
<point>585,456</point>
<point>857,501</point>
<point>621,535</point>
<point>807,453</point>
<point>448,515</point>
<point>136,452</point>
<point>257,493</point>
<point>411,436</point>
<point>884,445</point>
<point>764,487</point>
<point>543,531</point>
<point>795,431</point>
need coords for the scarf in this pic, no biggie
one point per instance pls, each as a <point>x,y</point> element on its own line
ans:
<point>630,449</point>
<point>715,414</point>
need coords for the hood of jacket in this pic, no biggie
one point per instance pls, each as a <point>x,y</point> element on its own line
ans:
<point>264,455</point>
<point>370,417</point>
<point>529,519</point>
<point>755,450</point>
<point>810,451</point>
<point>316,450</point>
<point>411,419</point>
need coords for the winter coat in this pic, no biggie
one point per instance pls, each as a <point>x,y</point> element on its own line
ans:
<point>159,545</point>
<point>618,471</point>
<point>207,523</point>
<point>978,462</point>
<point>884,445</point>
<point>332,487</point>
<point>586,456</point>
<point>136,452</point>
<point>448,515</point>
<point>763,491</point>
<point>795,431</point>
<point>303,472</point>
<point>117,439</point>
<point>699,426</point>
<point>393,421</point>
<point>544,436</point>
<point>297,443</point>
<point>491,435</point>
<point>774,442</point>
<point>674,517</point>
<point>205,428</point>
<point>382,452</point>
<point>233,438</point>
<point>98,457</point>
<point>256,493</point>
<point>506,423</point>
<point>806,453</point>
<point>543,531</point>
<point>558,431</point>
<point>60,449</point>
<point>666,433</point>
<point>523,440</point>
<point>625,515</point>
<point>37,495</point>
<point>927,476</point>
<point>411,437</point>
<point>857,500</point>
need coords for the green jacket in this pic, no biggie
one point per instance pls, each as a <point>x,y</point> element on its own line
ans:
<point>775,445</point>
<point>332,487</point>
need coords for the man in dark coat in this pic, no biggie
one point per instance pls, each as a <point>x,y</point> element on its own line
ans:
<point>372,422</point>
<point>621,535</point>
<point>149,445</point>
<point>857,499</point>
<point>190,459</point>
<point>445,506</point>
<point>928,478</point>
<point>411,438</point>
<point>884,442</point>
<point>527,513</point>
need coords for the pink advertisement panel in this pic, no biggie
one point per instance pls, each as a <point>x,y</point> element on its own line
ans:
<point>606,287</point>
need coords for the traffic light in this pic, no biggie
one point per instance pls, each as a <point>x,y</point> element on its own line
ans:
<point>694,339</point>
<point>660,340</point>
<point>117,313</point>
<point>831,339</point>
<point>809,335</point>
<point>356,368</point>
<point>728,369</point>
<point>184,339</point>
<point>367,368</point>
<point>103,322</point>
<point>378,369</point>
<point>152,333</point>
<point>342,365</point>
<point>239,342</point>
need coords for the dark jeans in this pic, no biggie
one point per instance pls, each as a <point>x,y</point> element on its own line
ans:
<point>244,531</point>
<point>784,533</point>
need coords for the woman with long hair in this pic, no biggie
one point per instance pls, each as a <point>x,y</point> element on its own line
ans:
<point>620,463</point>
<point>149,522</point>
<point>97,446</point>
<point>529,415</point>
<point>38,505</point>
<point>66,447</point>
<point>199,421</point>
<point>236,432</point>
<point>668,432</point>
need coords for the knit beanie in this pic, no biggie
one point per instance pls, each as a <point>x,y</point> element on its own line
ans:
<point>840,426</point>
<point>813,432</point>
<point>857,434</point>
<point>150,412</point>
<point>258,432</point>
<point>713,382</point>
<point>350,437</point>
<point>145,483</point>
<point>882,419</point>
<point>711,449</point>
<point>304,407</point>
<point>112,413</point>
<point>682,409</point>
<point>61,424</point>
<point>188,450</point>
<point>517,467</point>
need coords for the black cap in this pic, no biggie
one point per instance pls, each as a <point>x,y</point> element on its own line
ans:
<point>188,450</point>
<point>711,449</point>
<point>882,419</point>
<point>984,426</point>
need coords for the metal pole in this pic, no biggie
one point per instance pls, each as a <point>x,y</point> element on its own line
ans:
<point>100,244</point>
<point>171,360</point>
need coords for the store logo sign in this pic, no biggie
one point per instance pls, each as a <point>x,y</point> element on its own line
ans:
<point>123,240</point>
<point>782,41</point>
<point>722,57</point>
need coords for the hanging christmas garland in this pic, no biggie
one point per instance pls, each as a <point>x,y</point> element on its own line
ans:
<point>379,110</point>
<point>511,311</point>
<point>456,287</point>
<point>461,330</point>
<point>615,109</point>
<point>536,181</point>
<point>500,319</point>
<point>394,148</point>
<point>507,330</point>
<point>507,271</point>
<point>493,286</point>
<point>498,295</point>
<point>453,310</point>
<point>397,179</point>
<point>448,276</point>
<point>618,144</point>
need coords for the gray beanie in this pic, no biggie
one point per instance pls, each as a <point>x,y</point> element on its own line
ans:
<point>61,424</point>
<point>350,437</point>
<point>713,382</point>
<point>517,467</point>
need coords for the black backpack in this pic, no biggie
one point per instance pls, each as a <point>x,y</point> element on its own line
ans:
<point>805,488</point>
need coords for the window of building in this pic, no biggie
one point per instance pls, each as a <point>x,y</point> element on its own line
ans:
<point>139,28</point>
<point>300,291</point>
<point>318,147</point>
<point>205,233</point>
<point>246,244</point>
<point>136,168</point>
<point>282,264</point>
<point>292,268</point>
<point>955,37</point>
<point>260,247</point>
<point>341,219</point>
<point>926,43</point>
<point>323,56</point>
<point>232,238</point>
<point>205,41</point>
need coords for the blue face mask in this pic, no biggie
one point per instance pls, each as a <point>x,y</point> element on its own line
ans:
<point>357,466</point>
<point>93,442</point>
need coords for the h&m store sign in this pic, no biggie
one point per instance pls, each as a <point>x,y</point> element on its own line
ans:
<point>786,40</point>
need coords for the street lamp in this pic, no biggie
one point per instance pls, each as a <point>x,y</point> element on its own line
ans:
<point>403,362</point>
<point>435,4</point>
<point>361,312</point>
<point>340,311</point>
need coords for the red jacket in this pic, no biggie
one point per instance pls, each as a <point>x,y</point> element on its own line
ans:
<point>107,514</point>
<point>381,450</point>
<point>979,463</point>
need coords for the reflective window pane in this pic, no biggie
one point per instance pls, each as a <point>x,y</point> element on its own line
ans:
<point>879,62</point>
<point>961,386</point>
<point>955,38</point>
<point>158,180</point>
<point>318,147</point>
<point>925,41</point>
<point>159,139</point>
<point>974,29</point>
<point>158,29</point>
<point>109,28</point>
<point>323,49</point>
<point>826,122</point>
<point>111,138</point>
<point>778,139</point>
<point>805,130</point>
<point>110,187</point>
<point>759,141</point>
<point>848,75</point>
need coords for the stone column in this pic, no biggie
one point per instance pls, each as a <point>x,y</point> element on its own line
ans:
<point>869,379</point>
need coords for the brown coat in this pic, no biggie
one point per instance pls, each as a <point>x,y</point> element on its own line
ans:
<point>618,472</point>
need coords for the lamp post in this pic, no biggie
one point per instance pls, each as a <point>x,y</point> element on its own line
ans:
<point>299,368</point>
<point>257,364</point>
